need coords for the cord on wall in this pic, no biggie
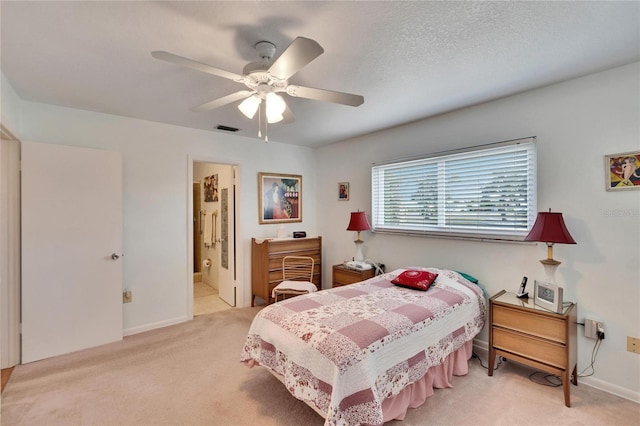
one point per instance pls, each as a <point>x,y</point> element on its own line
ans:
<point>594,354</point>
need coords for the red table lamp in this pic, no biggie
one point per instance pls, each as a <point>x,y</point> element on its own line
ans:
<point>550,229</point>
<point>358,223</point>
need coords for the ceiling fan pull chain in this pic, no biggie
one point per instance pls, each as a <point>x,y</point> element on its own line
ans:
<point>260,120</point>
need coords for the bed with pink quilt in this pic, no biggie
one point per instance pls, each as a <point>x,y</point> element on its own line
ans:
<point>366,352</point>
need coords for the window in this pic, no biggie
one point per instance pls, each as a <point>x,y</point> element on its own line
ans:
<point>486,192</point>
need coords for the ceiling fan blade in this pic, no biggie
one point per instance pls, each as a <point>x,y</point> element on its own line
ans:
<point>288,116</point>
<point>325,95</point>
<point>299,53</point>
<point>223,100</point>
<point>179,60</point>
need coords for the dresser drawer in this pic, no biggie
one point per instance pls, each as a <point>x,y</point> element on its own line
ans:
<point>530,347</point>
<point>536,324</point>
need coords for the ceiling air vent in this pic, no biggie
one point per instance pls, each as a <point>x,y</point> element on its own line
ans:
<point>226,128</point>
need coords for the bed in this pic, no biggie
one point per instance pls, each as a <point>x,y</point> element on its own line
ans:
<point>366,352</point>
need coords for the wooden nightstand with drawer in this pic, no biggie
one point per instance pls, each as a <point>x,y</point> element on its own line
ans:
<point>524,332</point>
<point>345,276</point>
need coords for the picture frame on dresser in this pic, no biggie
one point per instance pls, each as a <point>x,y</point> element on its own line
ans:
<point>279,198</point>
<point>548,296</point>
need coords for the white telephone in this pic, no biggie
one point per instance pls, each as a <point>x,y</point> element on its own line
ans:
<point>361,266</point>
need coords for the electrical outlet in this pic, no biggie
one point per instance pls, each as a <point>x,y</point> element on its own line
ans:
<point>590,328</point>
<point>600,330</point>
<point>127,296</point>
<point>633,344</point>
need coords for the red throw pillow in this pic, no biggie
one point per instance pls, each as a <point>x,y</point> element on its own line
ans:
<point>418,280</point>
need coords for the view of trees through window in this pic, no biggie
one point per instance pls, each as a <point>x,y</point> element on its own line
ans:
<point>488,191</point>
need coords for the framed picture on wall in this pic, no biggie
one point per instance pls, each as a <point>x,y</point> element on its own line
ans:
<point>210,187</point>
<point>622,171</point>
<point>279,198</point>
<point>343,191</point>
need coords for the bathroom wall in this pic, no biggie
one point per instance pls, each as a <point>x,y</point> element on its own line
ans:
<point>200,172</point>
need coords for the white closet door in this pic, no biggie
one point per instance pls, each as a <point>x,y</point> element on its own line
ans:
<point>71,226</point>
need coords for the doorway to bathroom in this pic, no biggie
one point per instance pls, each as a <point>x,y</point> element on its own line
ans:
<point>213,238</point>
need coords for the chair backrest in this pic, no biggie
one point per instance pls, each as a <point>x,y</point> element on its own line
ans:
<point>297,268</point>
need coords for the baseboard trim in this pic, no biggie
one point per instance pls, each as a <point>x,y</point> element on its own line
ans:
<point>610,388</point>
<point>153,326</point>
<point>483,346</point>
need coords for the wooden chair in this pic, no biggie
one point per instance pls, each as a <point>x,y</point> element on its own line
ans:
<point>297,277</point>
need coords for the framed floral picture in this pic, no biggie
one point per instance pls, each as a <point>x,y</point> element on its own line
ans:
<point>279,198</point>
<point>622,171</point>
<point>343,191</point>
<point>210,186</point>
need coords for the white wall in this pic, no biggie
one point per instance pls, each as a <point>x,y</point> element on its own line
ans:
<point>156,187</point>
<point>9,107</point>
<point>576,122</point>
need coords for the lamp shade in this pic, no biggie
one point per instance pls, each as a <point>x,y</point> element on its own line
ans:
<point>275,107</point>
<point>550,228</point>
<point>358,222</point>
<point>249,106</point>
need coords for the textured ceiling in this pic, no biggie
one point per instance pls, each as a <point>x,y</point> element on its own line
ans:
<point>410,60</point>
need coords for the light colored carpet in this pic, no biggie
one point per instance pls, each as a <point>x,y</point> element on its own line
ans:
<point>190,374</point>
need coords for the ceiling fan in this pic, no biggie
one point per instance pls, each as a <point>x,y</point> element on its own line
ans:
<point>265,79</point>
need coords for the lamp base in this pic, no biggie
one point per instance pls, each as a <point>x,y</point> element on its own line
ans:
<point>550,266</point>
<point>359,257</point>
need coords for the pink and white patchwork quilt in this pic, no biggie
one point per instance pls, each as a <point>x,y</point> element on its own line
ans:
<point>345,350</point>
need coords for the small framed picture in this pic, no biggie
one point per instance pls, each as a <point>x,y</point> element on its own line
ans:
<point>622,171</point>
<point>548,296</point>
<point>343,191</point>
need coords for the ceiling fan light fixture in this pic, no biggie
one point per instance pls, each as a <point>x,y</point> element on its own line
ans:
<point>272,118</point>
<point>276,103</point>
<point>249,106</point>
<point>275,107</point>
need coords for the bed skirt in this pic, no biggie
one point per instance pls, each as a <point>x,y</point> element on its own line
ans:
<point>439,376</point>
<point>414,395</point>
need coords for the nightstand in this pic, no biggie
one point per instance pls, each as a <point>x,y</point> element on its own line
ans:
<point>345,276</point>
<point>524,332</point>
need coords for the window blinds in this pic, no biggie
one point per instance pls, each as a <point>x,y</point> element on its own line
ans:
<point>482,192</point>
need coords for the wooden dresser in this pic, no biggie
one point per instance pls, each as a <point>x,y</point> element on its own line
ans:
<point>266,262</point>
<point>527,333</point>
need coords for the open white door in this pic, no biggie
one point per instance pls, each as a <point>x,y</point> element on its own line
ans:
<point>226,272</point>
<point>71,249</point>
